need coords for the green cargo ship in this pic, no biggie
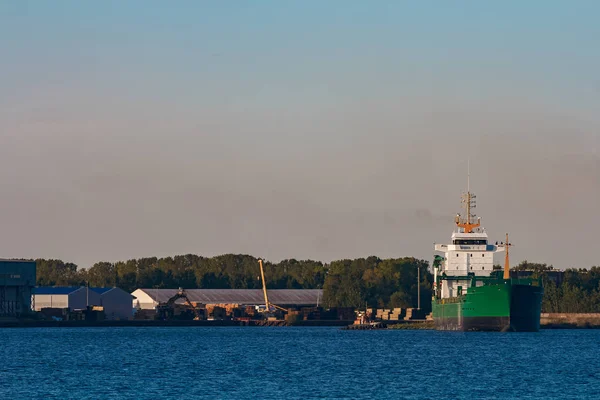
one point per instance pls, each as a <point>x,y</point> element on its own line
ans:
<point>468,295</point>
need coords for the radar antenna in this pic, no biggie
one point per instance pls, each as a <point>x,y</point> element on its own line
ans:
<point>468,174</point>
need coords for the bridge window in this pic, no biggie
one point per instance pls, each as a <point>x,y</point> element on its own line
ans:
<point>470,241</point>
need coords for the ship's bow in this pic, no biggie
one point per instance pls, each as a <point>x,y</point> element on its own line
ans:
<point>526,307</point>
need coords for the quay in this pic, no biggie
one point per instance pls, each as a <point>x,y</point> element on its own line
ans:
<point>166,323</point>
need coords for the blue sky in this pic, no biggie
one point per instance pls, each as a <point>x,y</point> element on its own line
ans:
<point>140,128</point>
<point>266,48</point>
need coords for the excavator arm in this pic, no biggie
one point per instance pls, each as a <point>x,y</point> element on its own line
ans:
<point>279,308</point>
<point>181,295</point>
<point>189,303</point>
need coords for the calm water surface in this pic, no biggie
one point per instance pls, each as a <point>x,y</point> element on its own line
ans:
<point>296,363</point>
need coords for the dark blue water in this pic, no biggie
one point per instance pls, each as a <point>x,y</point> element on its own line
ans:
<point>299,363</point>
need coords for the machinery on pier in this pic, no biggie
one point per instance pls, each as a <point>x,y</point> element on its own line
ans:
<point>166,311</point>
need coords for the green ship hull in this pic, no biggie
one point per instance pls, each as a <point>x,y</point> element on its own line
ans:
<point>498,305</point>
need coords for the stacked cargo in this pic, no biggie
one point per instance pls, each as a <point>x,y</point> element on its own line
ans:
<point>228,307</point>
<point>216,312</point>
<point>397,314</point>
<point>249,311</point>
<point>386,314</point>
<point>383,314</point>
<point>293,317</point>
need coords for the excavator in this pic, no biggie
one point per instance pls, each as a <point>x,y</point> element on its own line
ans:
<point>165,311</point>
<point>269,307</point>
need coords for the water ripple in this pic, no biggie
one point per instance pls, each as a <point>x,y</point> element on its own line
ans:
<point>296,363</point>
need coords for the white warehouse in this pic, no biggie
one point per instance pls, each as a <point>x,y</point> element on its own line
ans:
<point>148,299</point>
<point>116,301</point>
<point>73,298</point>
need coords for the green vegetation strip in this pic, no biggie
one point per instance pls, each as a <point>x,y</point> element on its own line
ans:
<point>428,325</point>
<point>370,282</point>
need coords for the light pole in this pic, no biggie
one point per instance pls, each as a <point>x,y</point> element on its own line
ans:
<point>418,288</point>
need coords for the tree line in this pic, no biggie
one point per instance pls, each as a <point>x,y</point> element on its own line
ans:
<point>360,282</point>
<point>569,291</point>
<point>188,271</point>
<point>363,282</point>
<point>376,283</point>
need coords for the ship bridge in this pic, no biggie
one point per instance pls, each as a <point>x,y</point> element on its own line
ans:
<point>468,255</point>
<point>477,241</point>
<point>469,238</point>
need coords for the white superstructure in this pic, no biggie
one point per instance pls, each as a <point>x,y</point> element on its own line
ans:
<point>469,254</point>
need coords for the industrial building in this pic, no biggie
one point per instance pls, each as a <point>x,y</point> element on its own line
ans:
<point>17,280</point>
<point>71,297</point>
<point>115,301</point>
<point>148,299</point>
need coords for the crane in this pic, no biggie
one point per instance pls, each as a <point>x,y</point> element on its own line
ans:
<point>268,304</point>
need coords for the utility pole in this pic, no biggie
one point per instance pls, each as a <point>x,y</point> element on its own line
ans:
<point>418,288</point>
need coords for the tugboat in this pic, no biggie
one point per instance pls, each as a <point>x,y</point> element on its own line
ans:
<point>363,322</point>
<point>468,295</point>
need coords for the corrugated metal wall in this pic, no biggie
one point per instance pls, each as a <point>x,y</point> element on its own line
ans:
<point>17,280</point>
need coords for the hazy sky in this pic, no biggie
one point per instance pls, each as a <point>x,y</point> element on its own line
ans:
<point>313,129</point>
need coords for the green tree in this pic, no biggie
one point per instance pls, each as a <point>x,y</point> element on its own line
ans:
<point>102,274</point>
<point>57,273</point>
<point>400,299</point>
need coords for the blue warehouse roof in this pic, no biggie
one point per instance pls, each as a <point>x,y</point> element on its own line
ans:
<point>101,290</point>
<point>56,289</point>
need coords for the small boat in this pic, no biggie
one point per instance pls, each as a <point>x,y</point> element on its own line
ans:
<point>363,322</point>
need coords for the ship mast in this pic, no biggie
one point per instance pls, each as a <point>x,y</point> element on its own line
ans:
<point>468,200</point>
<point>506,262</point>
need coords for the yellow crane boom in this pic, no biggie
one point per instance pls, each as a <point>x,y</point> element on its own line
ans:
<point>268,304</point>
<point>262,275</point>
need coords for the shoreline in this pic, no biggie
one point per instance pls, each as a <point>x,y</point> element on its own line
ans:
<point>547,321</point>
<point>172,323</point>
